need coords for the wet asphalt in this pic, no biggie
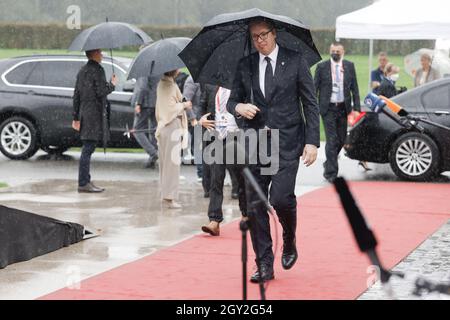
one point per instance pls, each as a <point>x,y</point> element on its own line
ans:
<point>128,216</point>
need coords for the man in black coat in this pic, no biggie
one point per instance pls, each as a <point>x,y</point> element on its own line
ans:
<point>90,113</point>
<point>284,102</point>
<point>336,86</point>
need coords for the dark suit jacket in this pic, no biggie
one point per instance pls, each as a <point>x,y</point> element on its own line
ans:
<point>324,82</point>
<point>90,103</point>
<point>291,107</point>
<point>144,93</point>
<point>208,99</point>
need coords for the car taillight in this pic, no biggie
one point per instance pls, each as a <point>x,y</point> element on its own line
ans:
<point>353,120</point>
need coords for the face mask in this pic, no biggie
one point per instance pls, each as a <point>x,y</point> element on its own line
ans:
<point>336,57</point>
<point>394,77</point>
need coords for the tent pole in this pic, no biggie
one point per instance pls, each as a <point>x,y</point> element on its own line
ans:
<point>370,63</point>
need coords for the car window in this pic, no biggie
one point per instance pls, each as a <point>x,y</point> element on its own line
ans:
<point>121,77</point>
<point>57,73</point>
<point>437,98</point>
<point>21,73</point>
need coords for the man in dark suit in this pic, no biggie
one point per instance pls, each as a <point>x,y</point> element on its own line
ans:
<point>336,86</point>
<point>213,102</point>
<point>144,101</point>
<point>284,101</point>
<point>90,113</point>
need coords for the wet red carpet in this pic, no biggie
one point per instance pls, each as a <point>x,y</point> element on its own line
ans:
<point>330,266</point>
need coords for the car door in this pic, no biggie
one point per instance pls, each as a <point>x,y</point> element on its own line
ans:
<point>122,114</point>
<point>436,101</point>
<point>49,91</point>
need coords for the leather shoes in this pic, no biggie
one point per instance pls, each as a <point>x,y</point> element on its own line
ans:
<point>151,163</point>
<point>89,188</point>
<point>289,256</point>
<point>100,188</point>
<point>212,228</point>
<point>267,274</point>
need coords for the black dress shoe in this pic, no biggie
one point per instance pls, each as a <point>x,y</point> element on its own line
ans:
<point>267,274</point>
<point>289,256</point>
<point>151,163</point>
<point>89,188</point>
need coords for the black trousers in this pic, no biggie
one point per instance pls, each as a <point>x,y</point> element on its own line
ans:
<point>84,176</point>
<point>335,123</point>
<point>146,140</point>
<point>217,178</point>
<point>280,189</point>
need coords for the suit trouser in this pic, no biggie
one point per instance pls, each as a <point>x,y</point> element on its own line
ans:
<point>169,159</point>
<point>84,176</point>
<point>282,197</point>
<point>218,172</point>
<point>335,123</point>
<point>141,122</point>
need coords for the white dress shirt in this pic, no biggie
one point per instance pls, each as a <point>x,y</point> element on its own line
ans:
<point>263,64</point>
<point>337,92</point>
<point>225,121</point>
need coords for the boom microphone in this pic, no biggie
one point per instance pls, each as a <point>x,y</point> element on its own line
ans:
<point>363,234</point>
<point>380,104</point>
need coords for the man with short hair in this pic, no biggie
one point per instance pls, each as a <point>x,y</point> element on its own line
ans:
<point>144,102</point>
<point>377,75</point>
<point>336,87</point>
<point>284,101</point>
<point>90,114</point>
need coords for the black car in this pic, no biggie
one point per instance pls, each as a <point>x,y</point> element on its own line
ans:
<point>36,104</point>
<point>412,155</point>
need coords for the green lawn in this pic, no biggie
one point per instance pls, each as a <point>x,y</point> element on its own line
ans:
<point>361,64</point>
<point>3,185</point>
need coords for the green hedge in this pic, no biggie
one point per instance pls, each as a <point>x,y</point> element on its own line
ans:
<point>52,36</point>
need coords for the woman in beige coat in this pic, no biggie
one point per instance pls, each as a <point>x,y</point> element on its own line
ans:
<point>171,134</point>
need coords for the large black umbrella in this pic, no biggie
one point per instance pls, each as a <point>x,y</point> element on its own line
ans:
<point>109,35</point>
<point>158,58</point>
<point>213,55</point>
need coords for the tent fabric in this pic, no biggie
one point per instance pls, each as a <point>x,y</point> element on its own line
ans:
<point>24,235</point>
<point>397,20</point>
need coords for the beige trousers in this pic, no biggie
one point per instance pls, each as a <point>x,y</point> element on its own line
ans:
<point>169,149</point>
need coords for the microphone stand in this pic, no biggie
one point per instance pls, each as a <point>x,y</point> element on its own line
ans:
<point>245,226</point>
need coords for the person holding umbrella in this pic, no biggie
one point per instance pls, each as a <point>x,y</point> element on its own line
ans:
<point>89,108</point>
<point>279,79</point>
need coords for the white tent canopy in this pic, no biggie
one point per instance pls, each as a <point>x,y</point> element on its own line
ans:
<point>397,19</point>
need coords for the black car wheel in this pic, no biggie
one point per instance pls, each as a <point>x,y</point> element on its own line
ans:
<point>415,157</point>
<point>18,138</point>
<point>55,149</point>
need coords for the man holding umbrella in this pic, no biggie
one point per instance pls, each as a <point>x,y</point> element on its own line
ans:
<point>273,90</point>
<point>89,113</point>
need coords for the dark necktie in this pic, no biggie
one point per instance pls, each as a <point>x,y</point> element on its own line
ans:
<point>268,80</point>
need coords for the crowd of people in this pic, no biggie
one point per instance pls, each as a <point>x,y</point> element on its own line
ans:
<point>170,108</point>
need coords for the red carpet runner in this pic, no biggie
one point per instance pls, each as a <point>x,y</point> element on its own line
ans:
<point>330,266</point>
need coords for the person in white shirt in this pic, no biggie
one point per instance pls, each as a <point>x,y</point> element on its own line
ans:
<point>214,104</point>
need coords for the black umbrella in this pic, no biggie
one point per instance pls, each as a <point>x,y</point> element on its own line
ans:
<point>109,35</point>
<point>158,58</point>
<point>213,55</point>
